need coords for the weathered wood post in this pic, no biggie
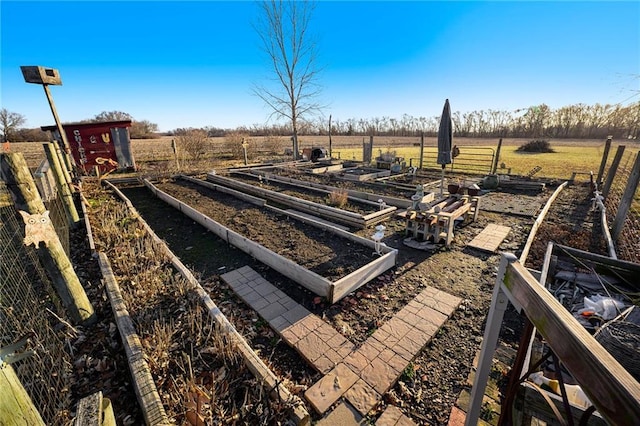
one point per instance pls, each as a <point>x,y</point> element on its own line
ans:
<point>16,407</point>
<point>52,255</point>
<point>494,167</point>
<point>65,171</point>
<point>421,149</point>
<point>612,171</point>
<point>61,183</point>
<point>627,198</point>
<point>603,163</point>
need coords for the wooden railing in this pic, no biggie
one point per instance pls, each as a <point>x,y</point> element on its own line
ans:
<point>612,390</point>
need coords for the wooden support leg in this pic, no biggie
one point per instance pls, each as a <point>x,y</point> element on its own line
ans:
<point>499,303</point>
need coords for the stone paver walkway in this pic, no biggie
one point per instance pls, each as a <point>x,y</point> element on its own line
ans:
<point>490,237</point>
<point>392,416</point>
<point>319,343</point>
<point>360,375</point>
<point>382,358</point>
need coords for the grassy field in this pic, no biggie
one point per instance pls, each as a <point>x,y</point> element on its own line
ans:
<point>570,155</point>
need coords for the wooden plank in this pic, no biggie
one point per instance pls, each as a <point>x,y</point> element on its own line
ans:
<point>259,369</point>
<point>617,264</point>
<point>359,195</point>
<point>337,231</point>
<point>143,384</point>
<point>530,403</point>
<point>63,187</point>
<point>360,277</point>
<point>608,385</point>
<point>538,222</point>
<point>301,215</point>
<point>241,195</point>
<point>627,199</point>
<point>306,278</point>
<point>299,204</point>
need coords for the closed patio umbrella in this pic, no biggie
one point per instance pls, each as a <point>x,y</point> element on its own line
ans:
<point>444,140</point>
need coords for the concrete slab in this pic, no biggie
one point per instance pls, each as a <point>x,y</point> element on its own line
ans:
<point>363,397</point>
<point>343,415</point>
<point>328,390</point>
<point>490,237</point>
<point>392,416</point>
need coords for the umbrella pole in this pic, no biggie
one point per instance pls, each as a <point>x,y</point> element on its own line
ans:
<point>442,181</point>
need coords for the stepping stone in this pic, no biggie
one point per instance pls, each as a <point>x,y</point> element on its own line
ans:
<point>318,342</point>
<point>392,416</point>
<point>343,415</point>
<point>490,237</point>
<point>330,388</point>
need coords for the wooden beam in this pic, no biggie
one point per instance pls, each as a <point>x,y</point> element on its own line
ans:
<point>538,222</point>
<point>94,410</point>
<point>612,170</point>
<point>627,199</point>
<point>62,184</point>
<point>143,384</point>
<point>16,407</point>
<point>603,163</point>
<point>52,255</point>
<point>614,392</point>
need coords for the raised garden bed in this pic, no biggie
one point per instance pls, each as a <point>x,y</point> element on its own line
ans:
<point>327,189</point>
<point>360,219</point>
<point>200,365</point>
<point>322,258</point>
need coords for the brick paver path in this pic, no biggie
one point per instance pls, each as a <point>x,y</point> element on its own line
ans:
<point>360,375</point>
<point>392,416</point>
<point>319,343</point>
<point>490,237</point>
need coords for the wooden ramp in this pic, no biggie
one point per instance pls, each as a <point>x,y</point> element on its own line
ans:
<point>490,237</point>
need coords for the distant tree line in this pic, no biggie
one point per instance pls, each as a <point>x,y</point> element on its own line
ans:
<point>10,129</point>
<point>578,121</point>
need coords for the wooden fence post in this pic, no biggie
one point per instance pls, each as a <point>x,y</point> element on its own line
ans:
<point>627,198</point>
<point>494,167</point>
<point>16,407</point>
<point>52,255</point>
<point>603,163</point>
<point>65,169</point>
<point>421,149</point>
<point>62,184</point>
<point>612,171</point>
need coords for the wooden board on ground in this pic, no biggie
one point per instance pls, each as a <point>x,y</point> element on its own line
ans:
<point>490,237</point>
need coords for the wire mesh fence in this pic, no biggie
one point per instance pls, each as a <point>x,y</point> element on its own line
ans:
<point>30,307</point>
<point>628,243</point>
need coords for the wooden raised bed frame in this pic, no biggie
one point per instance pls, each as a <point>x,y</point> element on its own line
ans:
<point>345,217</point>
<point>332,291</point>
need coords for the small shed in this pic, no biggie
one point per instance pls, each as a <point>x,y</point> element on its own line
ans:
<point>105,145</point>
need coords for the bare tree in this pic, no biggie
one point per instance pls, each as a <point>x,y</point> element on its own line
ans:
<point>9,122</point>
<point>284,32</point>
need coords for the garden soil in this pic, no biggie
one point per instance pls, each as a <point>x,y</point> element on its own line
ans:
<point>428,390</point>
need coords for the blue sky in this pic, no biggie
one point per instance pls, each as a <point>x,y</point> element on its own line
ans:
<point>192,64</point>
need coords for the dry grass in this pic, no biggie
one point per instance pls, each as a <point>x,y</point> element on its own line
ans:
<point>199,373</point>
<point>570,155</point>
<point>338,198</point>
